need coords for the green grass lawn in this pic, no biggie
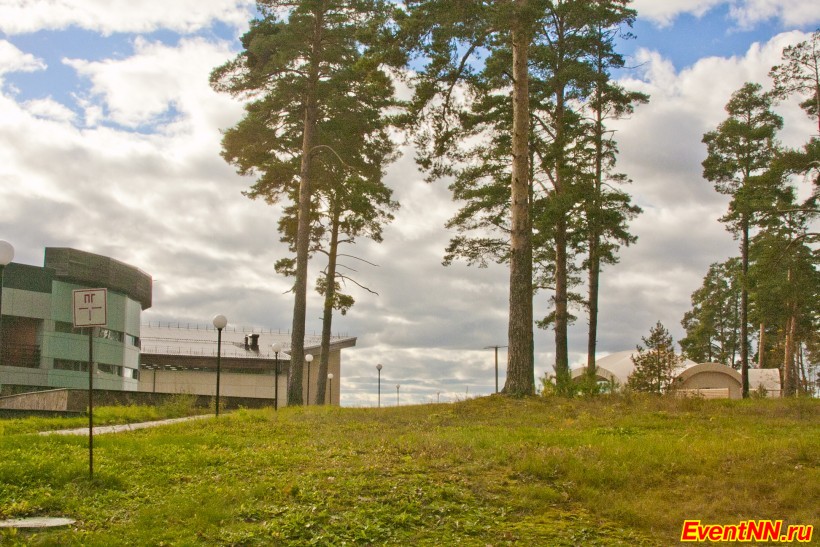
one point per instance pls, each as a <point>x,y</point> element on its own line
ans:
<point>489,471</point>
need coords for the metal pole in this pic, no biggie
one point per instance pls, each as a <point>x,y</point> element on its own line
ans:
<point>496,369</point>
<point>276,383</point>
<point>397,394</point>
<point>91,403</point>
<point>380,388</point>
<point>218,365</point>
<point>308,385</point>
<point>331,391</point>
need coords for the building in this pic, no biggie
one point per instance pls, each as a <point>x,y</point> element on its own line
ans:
<point>40,347</point>
<point>708,380</point>
<point>181,358</point>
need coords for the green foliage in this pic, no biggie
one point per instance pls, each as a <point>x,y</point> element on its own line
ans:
<point>494,470</point>
<point>800,75</point>
<point>713,324</point>
<point>655,365</point>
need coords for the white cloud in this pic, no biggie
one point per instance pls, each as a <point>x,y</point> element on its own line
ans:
<point>110,16</point>
<point>50,109</point>
<point>788,12</point>
<point>14,60</point>
<point>156,84</point>
<point>665,12</point>
<point>746,13</point>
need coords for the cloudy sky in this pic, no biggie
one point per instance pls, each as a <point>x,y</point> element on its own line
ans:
<point>109,143</point>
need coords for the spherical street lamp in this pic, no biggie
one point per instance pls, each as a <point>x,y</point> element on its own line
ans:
<point>379,368</point>
<point>276,348</point>
<point>6,256</point>
<point>330,380</point>
<point>220,322</point>
<point>308,359</point>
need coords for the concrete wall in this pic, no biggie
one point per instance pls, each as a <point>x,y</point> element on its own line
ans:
<point>204,383</point>
<point>235,384</point>
<point>76,400</point>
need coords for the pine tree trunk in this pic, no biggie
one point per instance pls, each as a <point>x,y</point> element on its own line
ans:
<point>520,365</point>
<point>297,340</point>
<point>327,315</point>
<point>561,274</point>
<point>594,281</point>
<point>594,228</point>
<point>788,371</point>
<point>760,345</point>
<point>561,301</point>
<point>789,376</point>
<point>744,310</point>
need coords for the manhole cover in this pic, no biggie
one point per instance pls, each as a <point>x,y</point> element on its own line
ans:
<point>36,522</point>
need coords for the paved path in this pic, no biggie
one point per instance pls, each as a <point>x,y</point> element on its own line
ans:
<point>99,430</point>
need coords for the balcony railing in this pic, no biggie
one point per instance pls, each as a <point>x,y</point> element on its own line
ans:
<point>20,355</point>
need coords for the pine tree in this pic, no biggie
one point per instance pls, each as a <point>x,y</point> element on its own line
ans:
<point>297,60</point>
<point>713,324</point>
<point>740,153</point>
<point>655,365</point>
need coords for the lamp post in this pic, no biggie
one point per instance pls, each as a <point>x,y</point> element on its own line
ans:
<point>397,394</point>
<point>330,382</point>
<point>276,347</point>
<point>379,368</point>
<point>6,255</point>
<point>220,322</point>
<point>308,360</point>
<point>496,363</point>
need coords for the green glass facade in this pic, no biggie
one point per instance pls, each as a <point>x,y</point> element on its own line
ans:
<point>39,345</point>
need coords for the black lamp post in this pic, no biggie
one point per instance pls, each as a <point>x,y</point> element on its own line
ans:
<point>276,349</point>
<point>379,368</point>
<point>6,255</point>
<point>330,383</point>
<point>220,322</point>
<point>308,360</point>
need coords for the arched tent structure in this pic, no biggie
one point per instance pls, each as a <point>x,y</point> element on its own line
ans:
<point>714,380</point>
<point>616,368</point>
<point>710,380</point>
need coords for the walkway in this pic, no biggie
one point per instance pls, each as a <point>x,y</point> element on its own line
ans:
<point>100,430</point>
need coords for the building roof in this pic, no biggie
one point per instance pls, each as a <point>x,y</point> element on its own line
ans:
<point>237,342</point>
<point>99,271</point>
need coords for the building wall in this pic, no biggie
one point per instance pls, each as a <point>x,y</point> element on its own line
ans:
<point>37,313</point>
<point>232,384</point>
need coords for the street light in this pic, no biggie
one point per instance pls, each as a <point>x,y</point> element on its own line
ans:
<point>330,381</point>
<point>220,322</point>
<point>308,359</point>
<point>6,255</point>
<point>397,394</point>
<point>379,368</point>
<point>276,347</point>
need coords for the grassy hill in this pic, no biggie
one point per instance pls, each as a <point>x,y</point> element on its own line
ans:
<point>488,471</point>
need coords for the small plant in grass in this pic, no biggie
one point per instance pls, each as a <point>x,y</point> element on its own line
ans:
<point>179,406</point>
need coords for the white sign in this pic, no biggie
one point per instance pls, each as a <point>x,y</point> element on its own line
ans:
<point>90,307</point>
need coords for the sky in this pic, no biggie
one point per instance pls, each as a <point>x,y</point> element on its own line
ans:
<point>110,143</point>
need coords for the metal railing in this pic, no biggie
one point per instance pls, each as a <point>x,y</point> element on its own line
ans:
<point>243,330</point>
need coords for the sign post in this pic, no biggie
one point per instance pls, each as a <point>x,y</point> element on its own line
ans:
<point>90,310</point>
